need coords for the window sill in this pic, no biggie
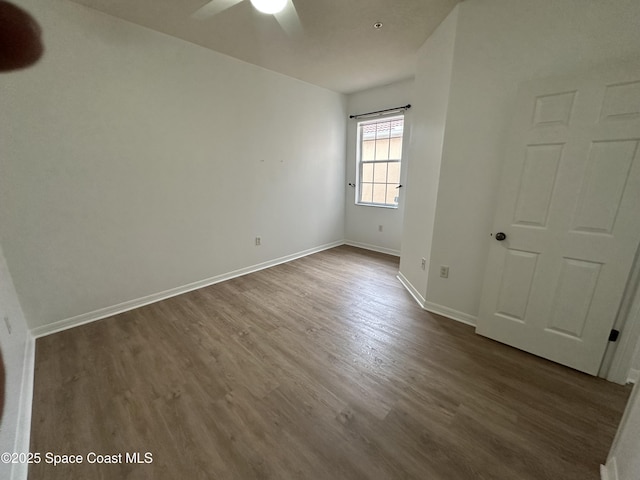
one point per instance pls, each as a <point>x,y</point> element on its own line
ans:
<point>392,207</point>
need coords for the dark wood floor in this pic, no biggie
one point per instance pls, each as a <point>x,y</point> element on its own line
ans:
<point>322,368</point>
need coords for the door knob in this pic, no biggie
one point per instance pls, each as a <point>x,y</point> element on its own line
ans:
<point>500,236</point>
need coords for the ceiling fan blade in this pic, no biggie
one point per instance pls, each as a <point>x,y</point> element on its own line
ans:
<point>212,8</point>
<point>289,20</point>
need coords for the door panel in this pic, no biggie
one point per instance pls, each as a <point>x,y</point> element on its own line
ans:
<point>570,206</point>
<point>553,109</point>
<point>570,306</point>
<point>621,101</point>
<point>515,290</point>
<point>603,185</point>
<point>536,186</point>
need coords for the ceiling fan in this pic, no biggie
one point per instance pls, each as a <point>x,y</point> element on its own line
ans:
<point>283,10</point>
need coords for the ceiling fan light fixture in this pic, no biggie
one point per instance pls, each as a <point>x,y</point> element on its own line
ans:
<point>269,6</point>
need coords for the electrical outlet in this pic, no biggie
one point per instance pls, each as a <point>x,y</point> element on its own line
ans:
<point>444,271</point>
<point>7,323</point>
<point>258,241</point>
<point>379,228</point>
<point>424,264</point>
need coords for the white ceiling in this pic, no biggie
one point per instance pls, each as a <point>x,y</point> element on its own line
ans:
<point>338,48</point>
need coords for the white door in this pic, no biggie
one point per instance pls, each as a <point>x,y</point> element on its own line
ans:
<point>569,204</point>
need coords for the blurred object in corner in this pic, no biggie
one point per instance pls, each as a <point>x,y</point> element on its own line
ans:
<point>20,46</point>
<point>20,38</point>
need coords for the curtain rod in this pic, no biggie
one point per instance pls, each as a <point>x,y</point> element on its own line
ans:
<point>380,112</point>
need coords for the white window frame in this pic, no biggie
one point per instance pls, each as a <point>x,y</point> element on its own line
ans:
<point>360,163</point>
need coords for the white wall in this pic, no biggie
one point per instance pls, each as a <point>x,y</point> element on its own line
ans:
<point>633,325</point>
<point>429,113</point>
<point>17,350</point>
<point>361,222</point>
<point>634,372</point>
<point>621,362</point>
<point>133,162</point>
<point>498,44</point>
<point>623,462</point>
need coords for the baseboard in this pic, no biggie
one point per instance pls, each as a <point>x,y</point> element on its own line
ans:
<point>411,289</point>
<point>156,297</point>
<point>634,376</point>
<point>610,470</point>
<point>374,248</point>
<point>451,313</point>
<point>23,437</point>
<point>434,307</point>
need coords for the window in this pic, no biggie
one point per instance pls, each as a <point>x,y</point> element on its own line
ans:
<point>379,157</point>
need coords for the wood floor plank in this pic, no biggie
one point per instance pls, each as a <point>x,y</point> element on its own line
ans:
<point>321,368</point>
